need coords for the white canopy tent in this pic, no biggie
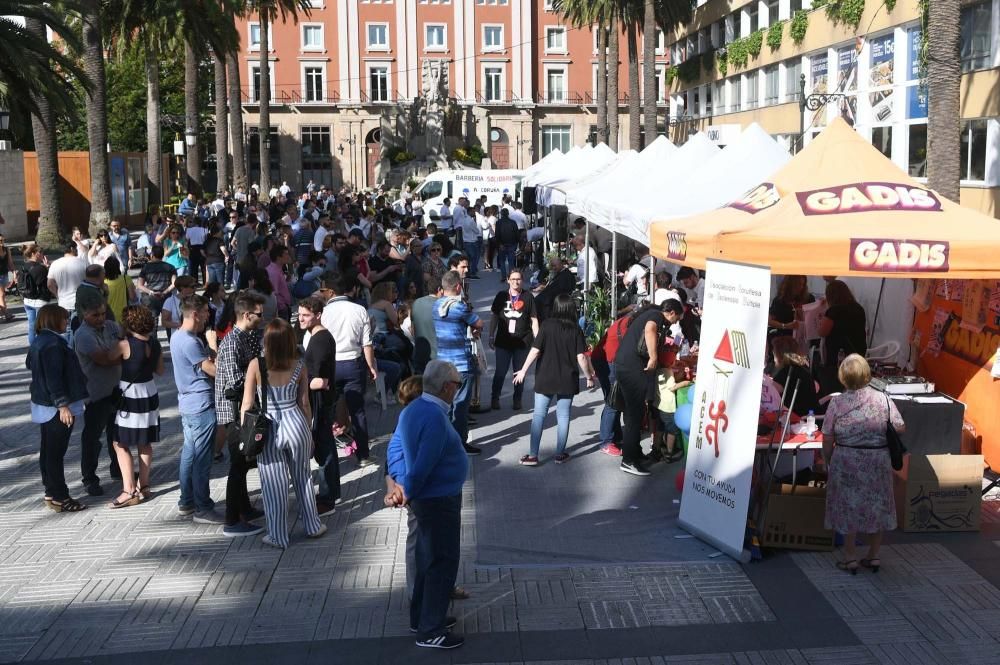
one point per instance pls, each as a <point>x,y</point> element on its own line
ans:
<point>539,167</point>
<point>551,190</point>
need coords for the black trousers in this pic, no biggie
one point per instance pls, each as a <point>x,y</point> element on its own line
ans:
<point>439,527</point>
<point>325,449</point>
<point>237,497</point>
<point>634,387</point>
<point>98,419</point>
<point>55,441</point>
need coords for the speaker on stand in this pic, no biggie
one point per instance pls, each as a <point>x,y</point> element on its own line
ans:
<point>529,203</point>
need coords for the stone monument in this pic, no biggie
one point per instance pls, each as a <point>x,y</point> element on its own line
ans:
<point>434,90</point>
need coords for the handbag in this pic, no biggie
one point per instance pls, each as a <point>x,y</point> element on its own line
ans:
<point>257,428</point>
<point>616,397</point>
<point>893,440</point>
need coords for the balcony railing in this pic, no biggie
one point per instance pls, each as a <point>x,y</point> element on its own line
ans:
<point>560,97</point>
<point>591,98</point>
<point>505,98</point>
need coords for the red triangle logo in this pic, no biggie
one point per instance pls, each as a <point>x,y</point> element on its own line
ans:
<point>725,350</point>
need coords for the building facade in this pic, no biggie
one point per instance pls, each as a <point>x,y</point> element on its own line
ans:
<point>524,79</point>
<point>875,67</point>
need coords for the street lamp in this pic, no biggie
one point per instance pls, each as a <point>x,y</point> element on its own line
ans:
<point>4,119</point>
<point>813,102</point>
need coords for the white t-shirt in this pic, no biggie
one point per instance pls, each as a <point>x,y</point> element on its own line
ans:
<point>586,266</point>
<point>519,218</point>
<point>318,238</point>
<point>660,296</point>
<point>103,255</point>
<point>196,235</point>
<point>641,273</point>
<point>446,221</point>
<point>217,206</point>
<point>471,230</point>
<point>696,296</point>
<point>68,272</point>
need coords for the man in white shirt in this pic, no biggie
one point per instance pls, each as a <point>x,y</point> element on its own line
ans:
<point>518,216</point>
<point>350,326</point>
<point>693,285</point>
<point>322,231</point>
<point>284,189</point>
<point>446,222</point>
<point>218,205</point>
<point>67,273</point>
<point>472,235</point>
<point>586,263</point>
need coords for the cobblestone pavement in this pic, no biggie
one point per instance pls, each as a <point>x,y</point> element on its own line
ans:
<point>572,563</point>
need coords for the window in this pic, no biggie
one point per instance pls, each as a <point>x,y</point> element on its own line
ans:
<point>555,84</point>
<point>736,94</point>
<point>253,144</point>
<point>555,137</point>
<point>494,2</point>
<point>548,5</point>
<point>661,42</point>
<point>312,37</point>
<point>719,96</point>
<point>378,36</point>
<point>704,40</point>
<point>976,22</point>
<point>555,40</point>
<point>793,80</point>
<point>753,14</point>
<point>917,162</point>
<point>882,140</point>
<point>313,76</point>
<point>253,36</point>
<point>317,155</point>
<point>771,85</point>
<point>493,84</point>
<point>434,34</point>
<point>753,90</point>
<point>492,37</point>
<point>316,4</point>
<point>378,83</point>
<point>661,88</point>
<point>255,81</point>
<point>695,106</point>
<point>708,100</point>
<point>974,150</point>
<point>794,6</point>
<point>731,29</point>
<point>772,11</point>
<point>691,49</point>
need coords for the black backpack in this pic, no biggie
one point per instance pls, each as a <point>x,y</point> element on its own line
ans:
<point>33,278</point>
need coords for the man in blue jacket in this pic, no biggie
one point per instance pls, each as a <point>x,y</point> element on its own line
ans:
<point>430,473</point>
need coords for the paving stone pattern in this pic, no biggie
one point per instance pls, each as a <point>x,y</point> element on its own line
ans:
<point>576,549</point>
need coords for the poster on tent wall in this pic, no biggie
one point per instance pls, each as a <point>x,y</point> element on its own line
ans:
<point>726,405</point>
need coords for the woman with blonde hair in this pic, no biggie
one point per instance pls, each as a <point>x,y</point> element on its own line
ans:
<point>288,452</point>
<point>859,496</point>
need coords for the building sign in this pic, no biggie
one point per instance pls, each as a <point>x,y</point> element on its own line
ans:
<point>847,82</point>
<point>916,95</point>
<point>880,78</point>
<point>866,197</point>
<point>886,255</point>
<point>761,197</point>
<point>820,84</point>
<point>726,404</point>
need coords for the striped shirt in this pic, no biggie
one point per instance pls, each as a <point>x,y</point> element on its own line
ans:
<point>452,318</point>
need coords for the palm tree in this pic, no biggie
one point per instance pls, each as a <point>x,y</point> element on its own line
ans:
<point>97,116</point>
<point>154,141</point>
<point>634,110</point>
<point>602,83</point>
<point>268,11</point>
<point>944,77</point>
<point>236,123</point>
<point>613,67</point>
<point>221,122</point>
<point>193,160</point>
<point>595,14</point>
<point>650,93</point>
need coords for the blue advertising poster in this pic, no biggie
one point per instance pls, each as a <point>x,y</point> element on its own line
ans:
<point>880,78</point>
<point>118,206</point>
<point>916,96</point>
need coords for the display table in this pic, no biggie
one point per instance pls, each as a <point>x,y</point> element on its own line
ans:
<point>794,445</point>
<point>933,423</point>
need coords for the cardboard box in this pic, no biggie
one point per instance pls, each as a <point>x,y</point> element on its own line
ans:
<point>943,493</point>
<point>795,515</point>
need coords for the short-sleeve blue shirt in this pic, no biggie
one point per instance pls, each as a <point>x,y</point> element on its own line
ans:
<point>195,388</point>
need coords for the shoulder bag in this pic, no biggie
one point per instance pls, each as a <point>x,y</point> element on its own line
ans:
<point>892,439</point>
<point>257,429</point>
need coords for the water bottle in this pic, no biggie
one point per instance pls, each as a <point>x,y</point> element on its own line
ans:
<point>810,424</point>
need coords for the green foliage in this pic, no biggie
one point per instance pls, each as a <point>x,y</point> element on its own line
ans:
<point>470,154</point>
<point>399,155</point>
<point>670,75</point>
<point>799,26</point>
<point>707,60</point>
<point>738,53</point>
<point>890,5</point>
<point>848,12</point>
<point>774,34</point>
<point>689,70</point>
<point>925,8</point>
<point>755,40</point>
<point>597,314</point>
<point>722,62</point>
<point>412,184</point>
<point>126,78</point>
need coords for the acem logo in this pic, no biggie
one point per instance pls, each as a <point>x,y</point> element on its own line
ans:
<point>677,245</point>
<point>866,197</point>
<point>885,255</point>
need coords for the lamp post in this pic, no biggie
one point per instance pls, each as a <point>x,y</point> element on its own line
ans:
<point>813,102</point>
<point>4,127</point>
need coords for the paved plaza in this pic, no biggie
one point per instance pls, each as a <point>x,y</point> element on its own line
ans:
<point>574,563</point>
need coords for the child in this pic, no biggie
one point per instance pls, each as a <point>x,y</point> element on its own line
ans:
<point>668,385</point>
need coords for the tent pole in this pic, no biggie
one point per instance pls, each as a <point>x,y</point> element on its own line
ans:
<point>614,275</point>
<point>878,306</point>
<point>586,265</point>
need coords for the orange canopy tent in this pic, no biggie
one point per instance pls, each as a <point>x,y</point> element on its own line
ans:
<point>839,207</point>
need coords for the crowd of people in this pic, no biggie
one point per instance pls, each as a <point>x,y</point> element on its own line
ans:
<point>287,310</point>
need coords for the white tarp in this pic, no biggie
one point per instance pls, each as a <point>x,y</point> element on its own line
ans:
<point>532,173</point>
<point>590,159</point>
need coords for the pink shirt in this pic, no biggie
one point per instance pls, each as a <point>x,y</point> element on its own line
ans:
<point>280,285</point>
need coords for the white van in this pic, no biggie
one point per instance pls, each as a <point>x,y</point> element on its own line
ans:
<point>494,184</point>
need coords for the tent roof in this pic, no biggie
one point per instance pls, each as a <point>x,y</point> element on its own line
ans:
<point>555,181</point>
<point>839,207</point>
<point>545,162</point>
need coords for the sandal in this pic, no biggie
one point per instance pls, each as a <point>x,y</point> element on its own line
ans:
<point>871,564</point>
<point>133,500</point>
<point>850,566</point>
<point>66,505</point>
<point>144,492</point>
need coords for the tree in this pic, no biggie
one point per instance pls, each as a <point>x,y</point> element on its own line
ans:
<point>602,83</point>
<point>594,14</point>
<point>97,116</point>
<point>193,160</point>
<point>221,122</point>
<point>154,158</point>
<point>650,92</point>
<point>634,106</point>
<point>944,77</point>
<point>268,11</point>
<point>613,69</point>
<point>236,123</point>
<point>43,124</point>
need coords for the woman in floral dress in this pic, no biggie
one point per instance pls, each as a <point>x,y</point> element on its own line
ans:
<point>859,496</point>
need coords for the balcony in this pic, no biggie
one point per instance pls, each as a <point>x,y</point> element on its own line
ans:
<point>294,98</point>
<point>591,99</point>
<point>559,98</point>
<point>483,98</point>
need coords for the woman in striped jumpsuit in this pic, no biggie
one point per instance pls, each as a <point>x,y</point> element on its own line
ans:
<point>291,447</point>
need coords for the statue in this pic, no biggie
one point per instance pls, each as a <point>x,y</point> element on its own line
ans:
<point>434,88</point>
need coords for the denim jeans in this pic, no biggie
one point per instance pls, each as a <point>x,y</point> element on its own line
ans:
<point>438,546</point>
<point>507,259</point>
<point>216,272</point>
<point>542,403</point>
<point>474,250</point>
<point>32,313</point>
<point>611,424</point>
<point>504,358</point>
<point>196,460</point>
<point>460,406</point>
